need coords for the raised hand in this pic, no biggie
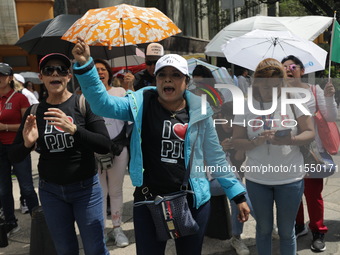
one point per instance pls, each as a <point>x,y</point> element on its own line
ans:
<point>30,131</point>
<point>57,117</point>
<point>81,51</point>
<point>329,89</point>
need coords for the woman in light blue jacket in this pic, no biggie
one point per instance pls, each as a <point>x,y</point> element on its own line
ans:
<point>167,122</point>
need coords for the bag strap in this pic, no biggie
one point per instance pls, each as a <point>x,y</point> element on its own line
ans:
<point>188,169</point>
<point>82,105</point>
<point>34,109</point>
<point>316,98</point>
<point>145,190</point>
<point>10,97</point>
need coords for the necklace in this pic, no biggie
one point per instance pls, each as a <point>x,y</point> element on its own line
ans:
<point>178,108</point>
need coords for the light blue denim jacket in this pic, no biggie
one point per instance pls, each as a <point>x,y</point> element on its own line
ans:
<point>207,151</point>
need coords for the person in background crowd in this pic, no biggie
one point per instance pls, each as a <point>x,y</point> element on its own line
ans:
<point>313,186</point>
<point>243,79</point>
<point>12,108</point>
<point>126,80</point>
<point>20,88</point>
<point>66,139</point>
<point>147,77</point>
<point>235,158</point>
<point>204,83</point>
<point>112,175</point>
<point>29,85</point>
<point>154,111</point>
<point>18,82</point>
<point>265,150</point>
<point>233,76</point>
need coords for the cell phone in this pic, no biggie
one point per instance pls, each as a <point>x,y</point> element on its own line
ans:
<point>283,132</point>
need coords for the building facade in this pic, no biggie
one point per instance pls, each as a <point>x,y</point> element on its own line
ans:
<point>199,21</point>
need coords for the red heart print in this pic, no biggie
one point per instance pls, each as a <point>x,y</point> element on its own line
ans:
<point>180,130</point>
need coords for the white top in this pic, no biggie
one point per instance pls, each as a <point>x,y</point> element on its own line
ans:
<point>114,126</point>
<point>272,164</point>
<point>36,94</point>
<point>30,96</point>
<point>243,84</point>
<point>328,108</point>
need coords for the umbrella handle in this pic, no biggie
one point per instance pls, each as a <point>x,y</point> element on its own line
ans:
<point>121,22</point>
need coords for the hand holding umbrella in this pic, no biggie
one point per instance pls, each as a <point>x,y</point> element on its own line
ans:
<point>81,51</point>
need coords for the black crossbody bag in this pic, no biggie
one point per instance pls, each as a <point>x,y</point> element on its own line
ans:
<point>170,212</point>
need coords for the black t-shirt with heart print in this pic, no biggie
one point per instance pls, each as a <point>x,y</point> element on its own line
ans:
<point>163,148</point>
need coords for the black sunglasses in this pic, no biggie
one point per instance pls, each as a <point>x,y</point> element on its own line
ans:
<point>151,62</point>
<point>49,70</point>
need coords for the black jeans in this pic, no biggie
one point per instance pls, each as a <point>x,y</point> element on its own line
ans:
<point>23,172</point>
<point>145,232</point>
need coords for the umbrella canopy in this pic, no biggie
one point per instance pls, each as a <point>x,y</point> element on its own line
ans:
<point>248,50</point>
<point>122,25</point>
<point>45,38</point>
<point>220,74</point>
<point>32,77</point>
<point>131,61</point>
<point>307,27</point>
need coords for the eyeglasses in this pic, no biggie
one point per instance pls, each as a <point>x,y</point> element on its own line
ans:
<point>291,67</point>
<point>174,76</point>
<point>49,70</point>
<point>150,62</point>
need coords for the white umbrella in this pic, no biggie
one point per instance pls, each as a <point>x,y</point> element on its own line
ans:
<point>32,77</point>
<point>307,27</point>
<point>250,49</point>
<point>220,74</point>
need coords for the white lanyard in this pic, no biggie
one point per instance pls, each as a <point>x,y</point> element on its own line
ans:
<point>4,107</point>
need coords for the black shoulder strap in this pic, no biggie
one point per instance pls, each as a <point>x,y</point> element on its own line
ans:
<point>34,109</point>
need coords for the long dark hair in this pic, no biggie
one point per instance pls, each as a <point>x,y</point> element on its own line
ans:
<point>107,66</point>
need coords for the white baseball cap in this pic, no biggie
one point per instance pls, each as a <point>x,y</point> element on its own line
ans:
<point>154,50</point>
<point>19,78</point>
<point>173,60</point>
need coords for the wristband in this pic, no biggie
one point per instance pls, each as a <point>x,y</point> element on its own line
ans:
<point>292,140</point>
<point>252,141</point>
<point>6,127</point>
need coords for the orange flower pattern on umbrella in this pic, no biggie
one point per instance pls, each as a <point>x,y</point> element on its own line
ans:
<point>110,26</point>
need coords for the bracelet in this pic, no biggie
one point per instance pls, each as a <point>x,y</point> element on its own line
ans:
<point>6,127</point>
<point>252,141</point>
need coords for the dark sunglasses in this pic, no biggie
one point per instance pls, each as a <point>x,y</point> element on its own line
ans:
<point>151,62</point>
<point>49,70</point>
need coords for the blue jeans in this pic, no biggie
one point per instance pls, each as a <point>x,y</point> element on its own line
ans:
<point>23,172</point>
<point>287,198</point>
<point>80,202</point>
<point>236,226</point>
<point>145,233</point>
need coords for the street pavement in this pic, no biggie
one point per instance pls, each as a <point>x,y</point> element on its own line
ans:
<point>19,243</point>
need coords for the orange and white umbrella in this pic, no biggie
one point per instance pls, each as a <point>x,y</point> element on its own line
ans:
<point>122,25</point>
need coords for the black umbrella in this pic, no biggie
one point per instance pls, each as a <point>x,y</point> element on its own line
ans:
<point>45,38</point>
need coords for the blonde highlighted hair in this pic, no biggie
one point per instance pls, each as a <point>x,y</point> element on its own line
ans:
<point>268,68</point>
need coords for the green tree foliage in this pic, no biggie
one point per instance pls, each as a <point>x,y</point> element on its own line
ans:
<point>292,8</point>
